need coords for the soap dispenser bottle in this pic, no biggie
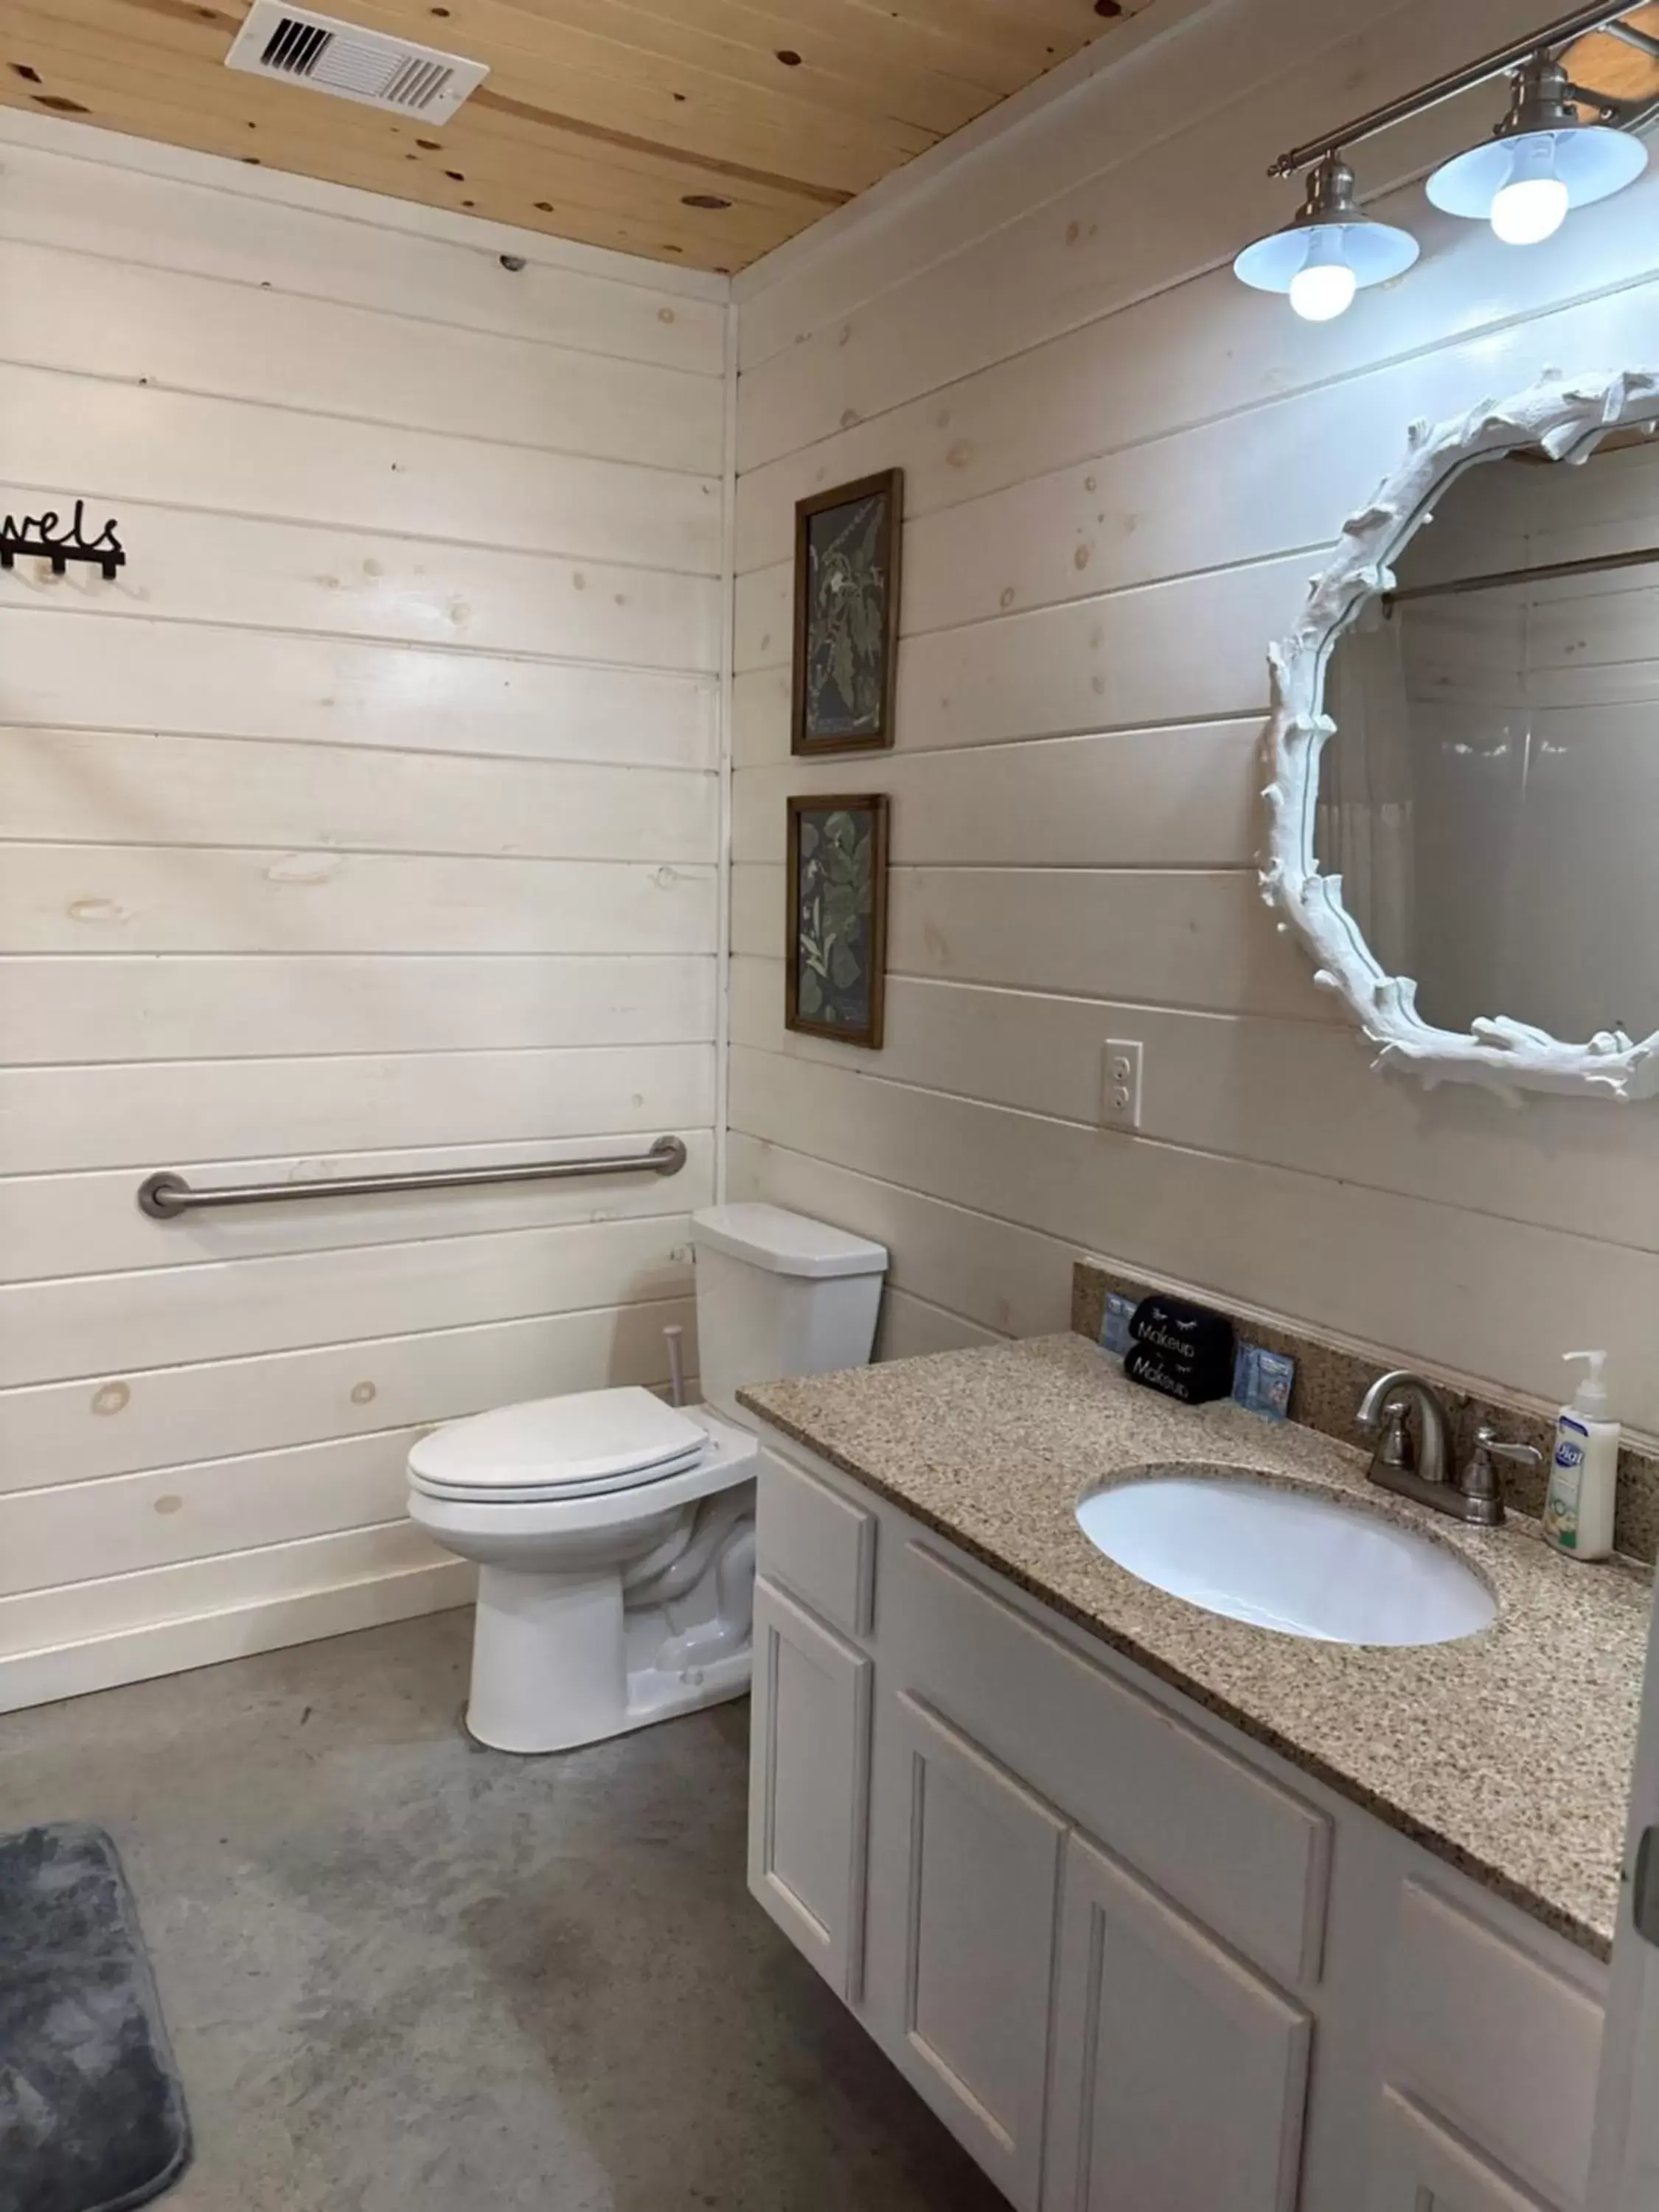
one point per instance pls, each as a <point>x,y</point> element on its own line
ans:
<point>1583,1468</point>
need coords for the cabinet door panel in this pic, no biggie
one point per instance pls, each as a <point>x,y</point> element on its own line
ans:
<point>1180,2075</point>
<point>1422,2166</point>
<point>976,1859</point>
<point>808,1786</point>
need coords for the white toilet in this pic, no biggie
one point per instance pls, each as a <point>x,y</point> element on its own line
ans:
<point>614,1533</point>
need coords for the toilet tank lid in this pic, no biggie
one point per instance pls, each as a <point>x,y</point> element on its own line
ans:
<point>787,1243</point>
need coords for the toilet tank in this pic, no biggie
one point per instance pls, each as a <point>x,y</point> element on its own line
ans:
<point>779,1295</point>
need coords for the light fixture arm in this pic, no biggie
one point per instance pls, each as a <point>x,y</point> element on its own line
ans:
<point>1642,40</point>
<point>1519,52</point>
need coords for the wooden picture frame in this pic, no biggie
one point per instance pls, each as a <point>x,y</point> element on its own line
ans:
<point>836,961</point>
<point>845,673</point>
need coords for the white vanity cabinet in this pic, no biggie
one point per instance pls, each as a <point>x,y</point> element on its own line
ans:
<point>1133,1962</point>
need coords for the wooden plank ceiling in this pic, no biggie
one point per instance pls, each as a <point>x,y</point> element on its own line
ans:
<point>698,131</point>
<point>1604,62</point>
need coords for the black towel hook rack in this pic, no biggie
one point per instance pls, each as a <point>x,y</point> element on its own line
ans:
<point>49,536</point>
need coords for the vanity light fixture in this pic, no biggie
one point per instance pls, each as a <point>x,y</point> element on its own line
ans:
<point>1543,159</point>
<point>1546,157</point>
<point>1328,249</point>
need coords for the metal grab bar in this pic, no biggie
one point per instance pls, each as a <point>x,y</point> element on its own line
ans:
<point>164,1197</point>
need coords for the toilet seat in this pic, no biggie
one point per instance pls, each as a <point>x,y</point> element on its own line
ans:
<point>587,1444</point>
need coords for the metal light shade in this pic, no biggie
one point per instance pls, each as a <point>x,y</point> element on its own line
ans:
<point>1541,134</point>
<point>1327,227</point>
<point>1592,161</point>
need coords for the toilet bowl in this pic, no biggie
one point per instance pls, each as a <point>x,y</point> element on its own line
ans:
<point>614,1533</point>
<point>606,1599</point>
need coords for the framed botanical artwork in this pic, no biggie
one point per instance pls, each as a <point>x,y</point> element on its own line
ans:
<point>846,612</point>
<point>836,969</point>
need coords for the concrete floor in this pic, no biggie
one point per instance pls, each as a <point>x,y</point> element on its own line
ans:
<point>405,1975</point>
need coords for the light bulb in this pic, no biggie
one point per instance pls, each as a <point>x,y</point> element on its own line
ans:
<point>1529,210</point>
<point>1322,290</point>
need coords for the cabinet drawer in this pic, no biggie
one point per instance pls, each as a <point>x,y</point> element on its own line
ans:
<point>1420,2166</point>
<point>1243,1855</point>
<point>1507,2050</point>
<point>816,1543</point>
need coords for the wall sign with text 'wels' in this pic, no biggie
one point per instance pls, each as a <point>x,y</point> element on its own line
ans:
<point>49,538</point>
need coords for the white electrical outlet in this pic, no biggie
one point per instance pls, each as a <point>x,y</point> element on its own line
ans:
<point>1121,1100</point>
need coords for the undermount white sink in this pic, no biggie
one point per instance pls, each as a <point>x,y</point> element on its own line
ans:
<point>1285,1559</point>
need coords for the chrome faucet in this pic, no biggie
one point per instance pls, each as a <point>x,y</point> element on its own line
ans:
<point>1420,1467</point>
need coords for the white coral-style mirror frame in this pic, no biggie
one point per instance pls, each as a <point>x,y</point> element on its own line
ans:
<point>1566,418</point>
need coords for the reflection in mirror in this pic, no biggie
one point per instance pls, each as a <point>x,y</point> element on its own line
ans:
<point>1491,798</point>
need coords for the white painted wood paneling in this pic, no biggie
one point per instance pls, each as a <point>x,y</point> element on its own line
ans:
<point>189,333</point>
<point>62,1119</point>
<point>1181,795</point>
<point>1121,466</point>
<point>1199,937</point>
<point>93,1635</point>
<point>94,671</point>
<point>910,1328</point>
<point>156,899</point>
<point>158,207</point>
<point>1287,1092</point>
<point>236,1307</point>
<point>248,572</point>
<point>131,1525</point>
<point>138,442</point>
<point>230,1005</point>
<point>1234,384</point>
<point>1111,663</point>
<point>369,821</point>
<point>1360,1259</point>
<point>206,791</point>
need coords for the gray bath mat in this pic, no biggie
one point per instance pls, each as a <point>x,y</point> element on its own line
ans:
<point>92,2116</point>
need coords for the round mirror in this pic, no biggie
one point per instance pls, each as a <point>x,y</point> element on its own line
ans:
<point>1466,787</point>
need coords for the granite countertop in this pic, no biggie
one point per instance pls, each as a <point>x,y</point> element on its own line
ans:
<point>1507,1754</point>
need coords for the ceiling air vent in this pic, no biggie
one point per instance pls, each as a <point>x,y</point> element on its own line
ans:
<point>301,48</point>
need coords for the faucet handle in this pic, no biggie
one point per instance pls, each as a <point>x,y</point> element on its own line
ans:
<point>1486,1439</point>
<point>1481,1477</point>
<point>1396,1447</point>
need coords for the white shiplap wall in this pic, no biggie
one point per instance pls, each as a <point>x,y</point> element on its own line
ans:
<point>370,820</point>
<point>1122,469</point>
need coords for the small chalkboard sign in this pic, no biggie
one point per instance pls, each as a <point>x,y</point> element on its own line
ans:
<point>1184,1350</point>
